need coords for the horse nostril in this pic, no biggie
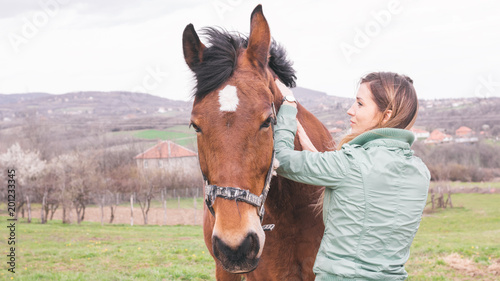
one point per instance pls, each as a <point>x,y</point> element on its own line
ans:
<point>247,250</point>
<point>251,245</point>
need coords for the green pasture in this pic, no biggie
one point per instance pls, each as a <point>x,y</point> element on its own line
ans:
<point>113,252</point>
<point>180,134</point>
<point>471,229</point>
<point>181,138</point>
<point>90,251</point>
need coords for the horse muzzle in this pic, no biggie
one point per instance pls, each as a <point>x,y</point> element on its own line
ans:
<point>242,258</point>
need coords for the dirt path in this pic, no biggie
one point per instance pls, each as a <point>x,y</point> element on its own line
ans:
<point>122,215</point>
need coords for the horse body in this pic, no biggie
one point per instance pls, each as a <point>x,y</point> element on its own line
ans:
<point>233,113</point>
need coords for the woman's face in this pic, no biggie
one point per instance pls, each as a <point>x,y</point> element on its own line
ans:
<point>364,112</point>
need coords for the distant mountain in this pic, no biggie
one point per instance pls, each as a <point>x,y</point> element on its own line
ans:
<point>16,98</point>
<point>117,104</point>
<point>330,110</point>
<point>127,111</point>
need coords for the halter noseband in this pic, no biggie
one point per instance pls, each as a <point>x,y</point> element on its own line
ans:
<point>235,193</point>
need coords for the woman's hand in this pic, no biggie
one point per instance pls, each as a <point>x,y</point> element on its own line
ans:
<point>285,91</point>
<point>304,140</point>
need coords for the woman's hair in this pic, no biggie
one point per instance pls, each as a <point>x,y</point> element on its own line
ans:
<point>391,91</point>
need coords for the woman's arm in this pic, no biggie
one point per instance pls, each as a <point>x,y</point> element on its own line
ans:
<point>301,133</point>
<point>315,168</point>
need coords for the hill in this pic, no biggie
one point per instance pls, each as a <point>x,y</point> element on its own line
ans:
<point>479,114</point>
<point>16,98</point>
<point>115,104</point>
<point>62,121</point>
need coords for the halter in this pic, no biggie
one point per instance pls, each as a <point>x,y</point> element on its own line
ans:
<point>235,193</point>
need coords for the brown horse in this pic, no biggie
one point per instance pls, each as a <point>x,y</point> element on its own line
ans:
<point>233,113</point>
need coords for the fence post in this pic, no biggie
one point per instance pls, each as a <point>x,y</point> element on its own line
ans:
<point>131,209</point>
<point>449,198</point>
<point>43,207</point>
<point>29,208</point>
<point>432,198</point>
<point>102,210</point>
<point>164,199</point>
<point>194,199</point>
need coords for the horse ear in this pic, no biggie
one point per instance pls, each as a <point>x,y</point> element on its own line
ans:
<point>192,46</point>
<point>259,41</point>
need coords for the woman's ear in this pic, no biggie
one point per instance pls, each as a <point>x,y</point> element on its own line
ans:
<point>387,116</point>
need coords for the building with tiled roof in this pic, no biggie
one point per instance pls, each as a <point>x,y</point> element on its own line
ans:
<point>465,135</point>
<point>419,133</point>
<point>437,136</point>
<point>170,156</point>
<point>166,149</point>
<point>464,131</point>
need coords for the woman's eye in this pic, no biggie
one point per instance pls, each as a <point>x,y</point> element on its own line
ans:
<point>267,123</point>
<point>196,128</point>
<point>359,103</point>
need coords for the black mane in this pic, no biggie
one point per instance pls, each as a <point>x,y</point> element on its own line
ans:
<point>221,55</point>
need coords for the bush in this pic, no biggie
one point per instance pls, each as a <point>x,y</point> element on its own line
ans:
<point>459,172</point>
<point>460,162</point>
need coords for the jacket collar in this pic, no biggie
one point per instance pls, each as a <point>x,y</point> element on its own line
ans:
<point>390,137</point>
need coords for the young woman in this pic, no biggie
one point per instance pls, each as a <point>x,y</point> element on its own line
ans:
<point>375,188</point>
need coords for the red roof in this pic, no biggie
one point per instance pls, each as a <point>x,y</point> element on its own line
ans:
<point>417,130</point>
<point>437,135</point>
<point>166,149</point>
<point>462,131</point>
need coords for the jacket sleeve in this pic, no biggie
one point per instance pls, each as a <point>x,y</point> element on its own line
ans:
<point>315,168</point>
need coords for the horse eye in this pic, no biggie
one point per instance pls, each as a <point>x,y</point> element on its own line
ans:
<point>196,128</point>
<point>267,123</point>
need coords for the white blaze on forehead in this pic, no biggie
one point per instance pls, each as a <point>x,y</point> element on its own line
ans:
<point>228,98</point>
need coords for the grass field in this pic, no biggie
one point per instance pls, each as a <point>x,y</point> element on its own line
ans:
<point>456,184</point>
<point>180,134</point>
<point>179,137</point>
<point>471,230</point>
<point>467,234</point>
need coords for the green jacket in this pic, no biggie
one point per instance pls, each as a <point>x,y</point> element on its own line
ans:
<point>375,194</point>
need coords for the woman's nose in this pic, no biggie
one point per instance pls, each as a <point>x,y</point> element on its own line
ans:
<point>351,112</point>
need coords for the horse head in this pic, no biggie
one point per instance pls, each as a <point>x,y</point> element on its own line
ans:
<point>233,112</point>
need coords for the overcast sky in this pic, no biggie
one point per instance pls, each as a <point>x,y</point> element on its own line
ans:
<point>449,48</point>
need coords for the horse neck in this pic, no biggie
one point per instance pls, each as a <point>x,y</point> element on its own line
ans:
<point>286,196</point>
<point>316,131</point>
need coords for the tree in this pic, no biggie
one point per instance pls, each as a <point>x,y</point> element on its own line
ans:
<point>28,167</point>
<point>63,166</point>
<point>149,184</point>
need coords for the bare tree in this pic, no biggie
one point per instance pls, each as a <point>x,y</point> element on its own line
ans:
<point>149,183</point>
<point>64,167</point>
<point>47,191</point>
